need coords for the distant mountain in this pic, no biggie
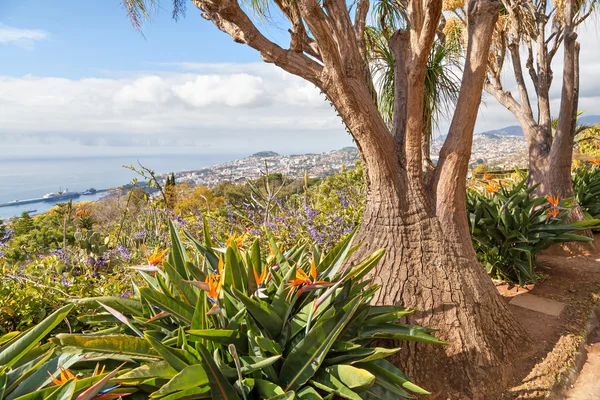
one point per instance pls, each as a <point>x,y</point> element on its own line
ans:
<point>513,130</point>
<point>262,154</point>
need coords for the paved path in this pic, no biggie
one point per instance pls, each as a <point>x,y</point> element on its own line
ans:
<point>587,385</point>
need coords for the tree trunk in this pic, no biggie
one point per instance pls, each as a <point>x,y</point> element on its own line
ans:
<point>449,289</point>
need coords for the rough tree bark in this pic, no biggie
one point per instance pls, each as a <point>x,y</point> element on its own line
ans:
<point>429,263</point>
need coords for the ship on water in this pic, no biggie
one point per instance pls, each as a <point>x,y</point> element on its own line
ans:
<point>60,195</point>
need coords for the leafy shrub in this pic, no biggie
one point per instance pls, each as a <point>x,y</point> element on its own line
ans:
<point>586,187</point>
<point>29,292</point>
<point>509,227</point>
<point>231,323</point>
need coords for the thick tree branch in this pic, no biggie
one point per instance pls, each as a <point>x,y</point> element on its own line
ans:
<point>231,19</point>
<point>424,18</point>
<point>323,30</point>
<point>360,23</point>
<point>523,94</point>
<point>449,180</point>
<point>562,147</point>
<point>292,13</point>
<point>399,47</point>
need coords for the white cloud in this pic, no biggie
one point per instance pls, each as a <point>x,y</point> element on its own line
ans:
<point>231,110</point>
<point>21,37</point>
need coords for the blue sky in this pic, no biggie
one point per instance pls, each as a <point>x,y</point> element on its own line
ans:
<point>88,38</point>
<point>76,77</point>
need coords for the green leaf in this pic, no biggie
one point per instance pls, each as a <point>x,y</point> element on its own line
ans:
<point>184,288</point>
<point>222,336</point>
<point>64,391</point>
<point>364,267</point>
<point>327,382</point>
<point>115,344</point>
<point>399,332</point>
<point>359,355</point>
<point>306,357</point>
<point>308,393</point>
<point>13,352</point>
<point>8,337</point>
<point>357,379</point>
<point>261,313</point>
<point>268,345</point>
<point>177,255</point>
<point>190,377</point>
<point>233,273</point>
<point>266,389</point>
<point>122,318</point>
<point>175,307</point>
<point>124,305</point>
<point>220,387</point>
<point>168,354</point>
<point>160,369</point>
<point>193,393</point>
<point>388,372</point>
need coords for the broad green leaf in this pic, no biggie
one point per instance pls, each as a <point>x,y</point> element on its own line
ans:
<point>122,318</point>
<point>261,313</point>
<point>222,336</point>
<point>267,389</point>
<point>399,332</point>
<point>359,355</point>
<point>161,369</point>
<point>185,289</point>
<point>64,391</point>
<point>124,305</point>
<point>190,377</point>
<point>325,381</point>
<point>132,346</point>
<point>385,371</point>
<point>364,267</point>
<point>13,352</point>
<point>357,379</point>
<point>175,307</point>
<point>169,354</point>
<point>268,345</point>
<point>305,358</point>
<point>193,393</point>
<point>177,255</point>
<point>220,387</point>
<point>308,393</point>
<point>8,337</point>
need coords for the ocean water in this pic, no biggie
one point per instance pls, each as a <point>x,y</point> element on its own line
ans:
<point>27,178</point>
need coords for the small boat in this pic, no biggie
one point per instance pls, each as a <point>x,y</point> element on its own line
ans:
<point>90,191</point>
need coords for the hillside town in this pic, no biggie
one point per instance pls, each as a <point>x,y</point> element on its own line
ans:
<point>494,150</point>
<point>252,167</point>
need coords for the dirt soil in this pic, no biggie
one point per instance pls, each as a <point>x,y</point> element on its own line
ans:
<point>555,341</point>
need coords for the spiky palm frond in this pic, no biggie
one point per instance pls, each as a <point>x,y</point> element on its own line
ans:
<point>140,11</point>
<point>441,79</point>
<point>381,62</point>
<point>388,15</point>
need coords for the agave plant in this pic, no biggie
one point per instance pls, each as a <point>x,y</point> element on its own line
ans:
<point>226,322</point>
<point>509,227</point>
